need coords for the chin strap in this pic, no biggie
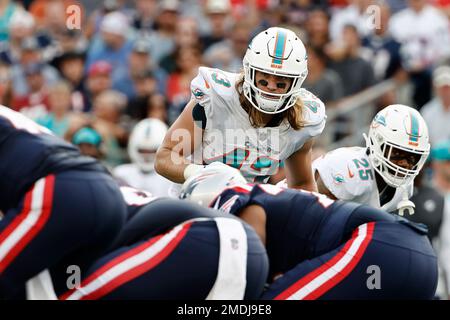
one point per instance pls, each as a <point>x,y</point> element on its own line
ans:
<point>405,205</point>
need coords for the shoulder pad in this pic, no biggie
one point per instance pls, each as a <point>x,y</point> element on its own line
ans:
<point>340,174</point>
<point>314,108</point>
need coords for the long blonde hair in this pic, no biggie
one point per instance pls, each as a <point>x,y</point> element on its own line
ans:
<point>293,115</point>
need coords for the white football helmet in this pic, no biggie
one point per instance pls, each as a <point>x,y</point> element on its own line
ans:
<point>397,128</point>
<point>204,186</point>
<point>280,52</point>
<point>145,140</point>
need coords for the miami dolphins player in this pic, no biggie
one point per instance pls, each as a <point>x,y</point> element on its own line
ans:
<point>382,173</point>
<point>251,120</point>
<point>319,248</point>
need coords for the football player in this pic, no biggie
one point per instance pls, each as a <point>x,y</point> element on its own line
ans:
<point>319,248</point>
<point>250,120</point>
<point>60,208</point>
<point>145,139</point>
<point>381,174</point>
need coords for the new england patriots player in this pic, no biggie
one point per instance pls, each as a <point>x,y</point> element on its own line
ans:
<point>319,248</point>
<point>60,208</point>
<point>382,173</point>
<point>172,249</point>
<point>251,121</point>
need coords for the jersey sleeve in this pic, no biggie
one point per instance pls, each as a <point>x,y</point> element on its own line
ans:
<point>201,88</point>
<point>314,117</point>
<point>313,113</point>
<point>211,82</point>
<point>340,175</point>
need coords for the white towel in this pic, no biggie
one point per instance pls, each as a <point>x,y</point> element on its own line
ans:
<point>231,279</point>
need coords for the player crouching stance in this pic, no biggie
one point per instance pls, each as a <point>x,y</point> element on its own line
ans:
<point>319,248</point>
<point>171,249</point>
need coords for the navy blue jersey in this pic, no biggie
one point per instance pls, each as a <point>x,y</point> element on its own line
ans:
<point>300,225</point>
<point>30,152</point>
<point>135,199</point>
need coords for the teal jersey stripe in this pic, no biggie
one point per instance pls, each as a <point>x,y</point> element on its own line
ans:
<point>414,128</point>
<point>279,47</point>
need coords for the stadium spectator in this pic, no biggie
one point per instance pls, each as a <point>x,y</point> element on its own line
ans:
<point>163,39</point>
<point>381,49</point>
<point>35,104</point>
<point>429,210</point>
<point>187,60</point>
<point>157,107</point>
<point>144,16</point>
<point>140,59</point>
<point>52,30</point>
<point>31,54</point>
<point>186,36</point>
<point>227,55</point>
<point>7,10</point>
<point>441,177</point>
<point>50,14</point>
<point>59,100</point>
<point>317,28</point>
<point>98,80</point>
<point>114,46</point>
<point>325,83</point>
<point>108,110</point>
<point>298,12</point>
<point>94,21</point>
<point>437,112</point>
<point>21,26</point>
<point>355,14</point>
<point>424,34</point>
<point>89,141</point>
<point>144,86</point>
<point>217,12</point>
<point>71,67</point>
<point>356,73</point>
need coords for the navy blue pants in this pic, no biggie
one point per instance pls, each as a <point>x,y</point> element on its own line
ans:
<point>179,264</point>
<point>382,260</point>
<point>69,218</point>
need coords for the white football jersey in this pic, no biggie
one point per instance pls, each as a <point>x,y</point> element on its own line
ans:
<point>349,175</point>
<point>230,138</point>
<point>152,182</point>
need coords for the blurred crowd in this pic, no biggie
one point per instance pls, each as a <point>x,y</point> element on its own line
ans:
<point>125,61</point>
<point>129,60</point>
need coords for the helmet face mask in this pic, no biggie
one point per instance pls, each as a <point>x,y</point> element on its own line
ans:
<point>145,140</point>
<point>278,52</point>
<point>145,158</point>
<point>398,144</point>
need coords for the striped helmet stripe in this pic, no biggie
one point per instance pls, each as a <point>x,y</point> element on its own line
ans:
<point>414,134</point>
<point>280,44</point>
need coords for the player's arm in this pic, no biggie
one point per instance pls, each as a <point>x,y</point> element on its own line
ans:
<point>298,168</point>
<point>255,216</point>
<point>321,187</point>
<point>180,141</point>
